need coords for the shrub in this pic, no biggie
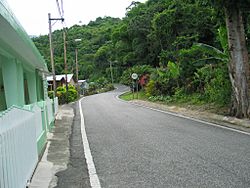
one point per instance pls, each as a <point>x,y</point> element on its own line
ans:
<point>218,90</point>
<point>51,94</point>
<point>138,69</point>
<point>160,98</point>
<point>214,84</point>
<point>72,95</point>
<point>150,89</point>
<point>163,80</point>
<point>63,96</point>
<point>109,87</point>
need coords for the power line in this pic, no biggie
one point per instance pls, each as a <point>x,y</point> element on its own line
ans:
<point>54,23</point>
<point>61,12</point>
<point>62,7</point>
<point>59,9</point>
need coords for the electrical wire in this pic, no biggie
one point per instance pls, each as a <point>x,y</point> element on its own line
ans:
<point>59,9</point>
<point>62,7</point>
<point>54,23</point>
<point>61,13</point>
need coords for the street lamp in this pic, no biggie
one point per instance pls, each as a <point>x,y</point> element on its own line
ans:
<point>76,51</point>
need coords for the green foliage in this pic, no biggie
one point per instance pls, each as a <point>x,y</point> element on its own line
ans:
<point>51,94</point>
<point>72,94</point>
<point>151,89</point>
<point>92,89</point>
<point>99,87</point>
<point>163,80</point>
<point>160,98</point>
<point>61,94</point>
<point>174,70</point>
<point>140,70</point>
<point>214,84</point>
<point>181,44</point>
<point>213,52</point>
<point>93,50</point>
<point>130,96</point>
<point>64,96</point>
<point>110,87</point>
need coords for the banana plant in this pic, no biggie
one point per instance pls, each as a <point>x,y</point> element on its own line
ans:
<point>213,52</point>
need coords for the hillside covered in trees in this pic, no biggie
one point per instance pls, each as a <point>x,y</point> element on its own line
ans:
<point>181,45</point>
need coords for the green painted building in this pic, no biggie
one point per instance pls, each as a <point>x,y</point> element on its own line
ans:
<point>21,65</point>
<point>26,112</point>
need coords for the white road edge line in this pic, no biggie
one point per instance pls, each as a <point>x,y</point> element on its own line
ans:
<point>93,177</point>
<point>186,117</point>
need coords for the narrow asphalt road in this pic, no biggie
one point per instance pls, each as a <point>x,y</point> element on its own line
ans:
<point>137,147</point>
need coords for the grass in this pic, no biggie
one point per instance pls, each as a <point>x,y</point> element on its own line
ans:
<point>189,102</point>
<point>129,96</point>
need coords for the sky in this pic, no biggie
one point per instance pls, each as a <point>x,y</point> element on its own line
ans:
<point>33,14</point>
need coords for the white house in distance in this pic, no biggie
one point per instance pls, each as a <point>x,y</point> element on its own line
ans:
<point>83,84</point>
<point>60,81</point>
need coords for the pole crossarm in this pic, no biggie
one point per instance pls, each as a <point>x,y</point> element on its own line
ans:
<point>62,19</point>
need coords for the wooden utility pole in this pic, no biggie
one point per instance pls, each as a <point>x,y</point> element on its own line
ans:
<point>65,63</point>
<point>52,58</point>
<point>77,85</point>
<point>52,53</point>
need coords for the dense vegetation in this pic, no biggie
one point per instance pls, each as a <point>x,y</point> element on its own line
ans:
<point>181,45</point>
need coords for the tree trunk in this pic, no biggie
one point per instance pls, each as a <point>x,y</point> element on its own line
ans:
<point>238,65</point>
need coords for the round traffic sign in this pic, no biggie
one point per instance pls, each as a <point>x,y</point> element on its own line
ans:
<point>134,76</point>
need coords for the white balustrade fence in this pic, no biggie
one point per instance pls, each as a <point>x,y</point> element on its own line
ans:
<point>49,105</point>
<point>56,105</point>
<point>18,149</point>
<point>38,120</point>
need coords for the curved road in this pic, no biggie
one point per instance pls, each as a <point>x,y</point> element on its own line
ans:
<point>137,147</point>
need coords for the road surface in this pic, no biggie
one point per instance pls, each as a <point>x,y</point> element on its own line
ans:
<point>135,147</point>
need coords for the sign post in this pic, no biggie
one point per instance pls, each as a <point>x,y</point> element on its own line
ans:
<point>134,76</point>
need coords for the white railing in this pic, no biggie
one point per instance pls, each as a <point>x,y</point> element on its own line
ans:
<point>18,149</point>
<point>38,121</point>
<point>49,105</point>
<point>56,105</point>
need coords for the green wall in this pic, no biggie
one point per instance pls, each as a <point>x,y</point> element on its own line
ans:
<point>13,81</point>
<point>18,85</point>
<point>32,88</point>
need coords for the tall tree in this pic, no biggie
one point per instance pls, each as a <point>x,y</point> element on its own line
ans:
<point>239,59</point>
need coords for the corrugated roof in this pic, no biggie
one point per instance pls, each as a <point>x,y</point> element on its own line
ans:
<point>81,81</point>
<point>60,77</point>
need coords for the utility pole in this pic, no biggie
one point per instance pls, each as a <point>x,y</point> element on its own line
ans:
<point>111,72</point>
<point>52,52</point>
<point>76,51</point>
<point>77,85</point>
<point>65,64</point>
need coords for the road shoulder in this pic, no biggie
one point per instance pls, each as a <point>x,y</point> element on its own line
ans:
<point>56,155</point>
<point>231,122</point>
